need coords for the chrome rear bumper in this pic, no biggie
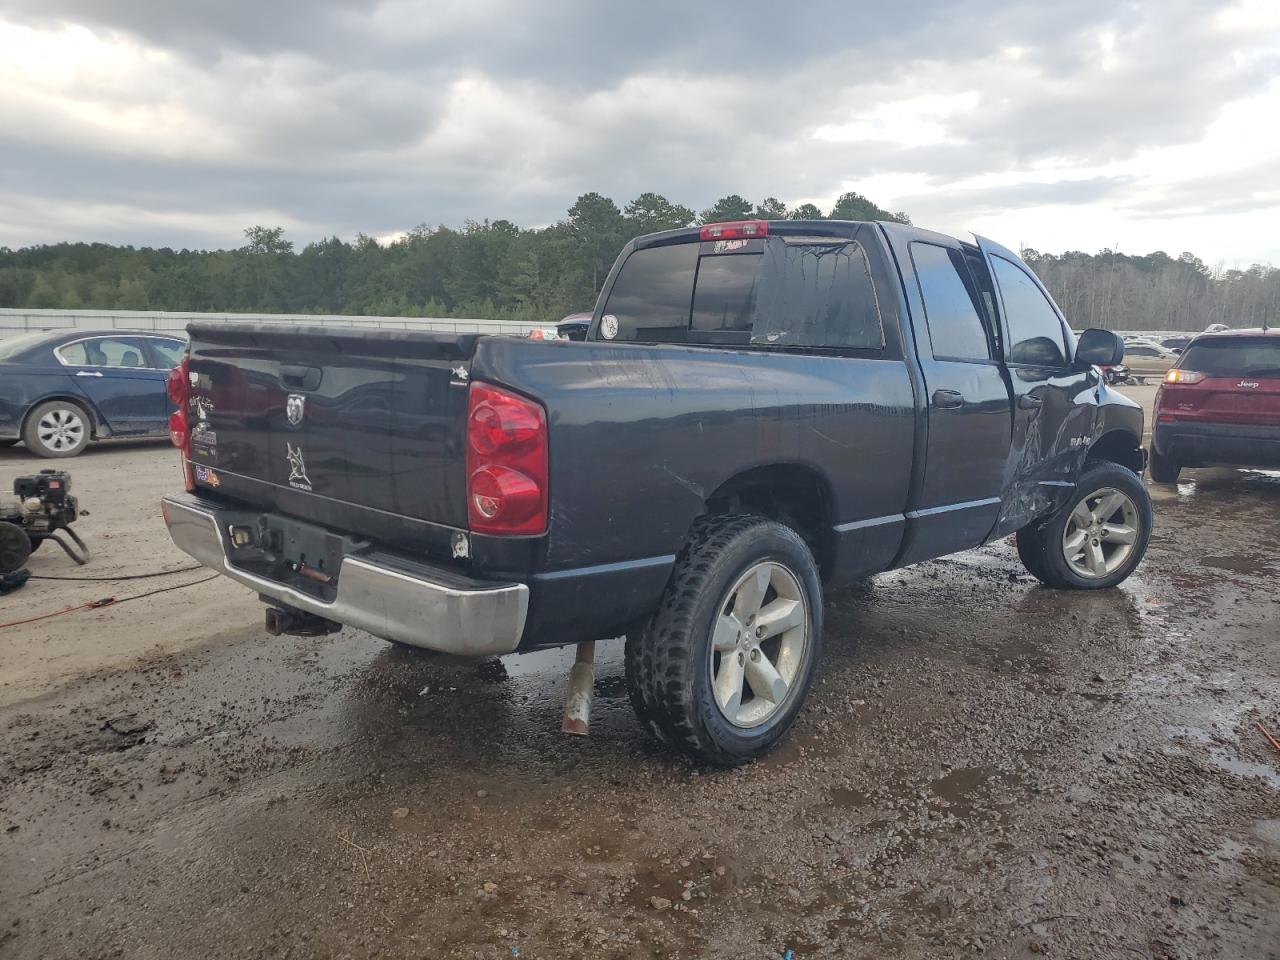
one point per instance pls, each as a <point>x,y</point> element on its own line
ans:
<point>477,620</point>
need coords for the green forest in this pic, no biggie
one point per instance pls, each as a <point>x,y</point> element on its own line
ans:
<point>496,269</point>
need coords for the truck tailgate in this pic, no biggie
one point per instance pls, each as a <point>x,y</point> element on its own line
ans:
<point>354,428</point>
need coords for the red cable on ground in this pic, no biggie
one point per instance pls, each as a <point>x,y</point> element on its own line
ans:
<point>106,602</point>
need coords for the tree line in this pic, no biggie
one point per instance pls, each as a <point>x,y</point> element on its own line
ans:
<point>496,269</point>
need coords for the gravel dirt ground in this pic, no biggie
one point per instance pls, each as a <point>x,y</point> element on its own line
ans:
<point>985,767</point>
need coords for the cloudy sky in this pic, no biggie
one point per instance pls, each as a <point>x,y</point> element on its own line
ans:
<point>1151,125</point>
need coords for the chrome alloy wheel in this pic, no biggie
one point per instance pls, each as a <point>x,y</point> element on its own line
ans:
<point>759,643</point>
<point>1100,533</point>
<point>60,429</point>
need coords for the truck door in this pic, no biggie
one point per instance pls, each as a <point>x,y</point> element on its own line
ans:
<point>957,499</point>
<point>1053,413</point>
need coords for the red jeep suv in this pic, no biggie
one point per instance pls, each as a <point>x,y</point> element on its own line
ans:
<point>1219,405</point>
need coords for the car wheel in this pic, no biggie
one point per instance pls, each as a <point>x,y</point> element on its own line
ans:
<point>1163,469</point>
<point>1098,539</point>
<point>58,428</point>
<point>724,665</point>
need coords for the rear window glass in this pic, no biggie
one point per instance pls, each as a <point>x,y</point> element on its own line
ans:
<point>20,344</point>
<point>818,294</point>
<point>1234,357</point>
<point>724,297</point>
<point>653,292</point>
<point>784,293</point>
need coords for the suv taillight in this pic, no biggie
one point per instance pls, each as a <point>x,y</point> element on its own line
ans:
<point>506,462</point>
<point>179,389</point>
<point>1183,376</point>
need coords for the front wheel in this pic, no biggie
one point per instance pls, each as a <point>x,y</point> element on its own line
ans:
<point>1098,539</point>
<point>723,667</point>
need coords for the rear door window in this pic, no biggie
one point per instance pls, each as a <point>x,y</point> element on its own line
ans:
<point>652,294</point>
<point>105,352</point>
<point>951,304</point>
<point>1035,332</point>
<point>1257,357</point>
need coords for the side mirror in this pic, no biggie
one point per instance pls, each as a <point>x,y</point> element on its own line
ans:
<point>1098,348</point>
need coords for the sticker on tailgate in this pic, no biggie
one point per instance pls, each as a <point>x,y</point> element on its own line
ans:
<point>298,478</point>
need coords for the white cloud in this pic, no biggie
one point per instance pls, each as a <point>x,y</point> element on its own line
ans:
<point>1148,124</point>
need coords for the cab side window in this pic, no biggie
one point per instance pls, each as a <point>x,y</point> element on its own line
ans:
<point>951,305</point>
<point>1035,332</point>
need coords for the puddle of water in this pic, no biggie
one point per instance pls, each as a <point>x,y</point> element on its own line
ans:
<point>849,798</point>
<point>1236,564</point>
<point>1224,758</point>
<point>1268,831</point>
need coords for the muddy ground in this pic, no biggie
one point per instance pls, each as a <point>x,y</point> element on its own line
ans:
<point>985,768</point>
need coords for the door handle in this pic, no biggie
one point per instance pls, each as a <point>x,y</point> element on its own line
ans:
<point>1028,402</point>
<point>947,399</point>
<point>88,373</point>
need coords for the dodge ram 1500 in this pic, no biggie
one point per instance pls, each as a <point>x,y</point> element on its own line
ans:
<point>761,410</point>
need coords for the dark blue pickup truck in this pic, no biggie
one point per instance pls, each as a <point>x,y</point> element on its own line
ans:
<point>761,411</point>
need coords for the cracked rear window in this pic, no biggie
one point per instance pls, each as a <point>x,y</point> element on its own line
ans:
<point>817,293</point>
<point>783,292</point>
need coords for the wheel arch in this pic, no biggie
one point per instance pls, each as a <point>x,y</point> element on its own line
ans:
<point>1119,446</point>
<point>794,494</point>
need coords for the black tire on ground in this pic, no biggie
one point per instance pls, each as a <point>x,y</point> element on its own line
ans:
<point>1163,469</point>
<point>636,689</point>
<point>1029,551</point>
<point>15,547</point>
<point>673,665</point>
<point>1044,547</point>
<point>71,420</point>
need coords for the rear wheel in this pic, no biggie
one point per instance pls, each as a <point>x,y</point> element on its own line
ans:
<point>723,667</point>
<point>1164,469</point>
<point>1098,539</point>
<point>58,428</point>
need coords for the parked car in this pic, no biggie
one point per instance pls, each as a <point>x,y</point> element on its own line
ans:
<point>762,411</point>
<point>1176,343</point>
<point>1148,359</point>
<point>59,390</point>
<point>1115,373</point>
<point>574,326</point>
<point>1219,405</point>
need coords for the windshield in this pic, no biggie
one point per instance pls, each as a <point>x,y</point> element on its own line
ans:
<point>12,346</point>
<point>1234,357</point>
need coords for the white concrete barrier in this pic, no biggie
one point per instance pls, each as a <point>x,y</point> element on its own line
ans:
<point>14,321</point>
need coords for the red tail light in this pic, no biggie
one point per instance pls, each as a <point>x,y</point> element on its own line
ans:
<point>1183,376</point>
<point>179,389</point>
<point>506,462</point>
<point>735,230</point>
